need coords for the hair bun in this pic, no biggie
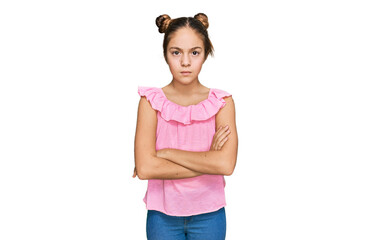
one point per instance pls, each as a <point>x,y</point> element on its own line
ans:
<point>203,19</point>
<point>163,22</point>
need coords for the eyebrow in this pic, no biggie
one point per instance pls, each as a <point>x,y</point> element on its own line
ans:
<point>181,49</point>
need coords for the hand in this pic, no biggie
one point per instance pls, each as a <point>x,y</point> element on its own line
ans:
<point>220,137</point>
<point>135,172</point>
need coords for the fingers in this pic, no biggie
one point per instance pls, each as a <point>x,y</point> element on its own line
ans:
<point>216,134</point>
<point>222,134</point>
<point>222,130</point>
<point>222,143</point>
<point>220,137</point>
<point>219,133</point>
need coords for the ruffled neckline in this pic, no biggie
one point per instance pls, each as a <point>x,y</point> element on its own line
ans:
<point>208,96</point>
<point>171,111</point>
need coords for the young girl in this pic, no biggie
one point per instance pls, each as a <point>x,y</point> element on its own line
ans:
<point>186,140</point>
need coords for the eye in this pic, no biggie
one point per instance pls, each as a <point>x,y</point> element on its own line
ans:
<point>175,53</point>
<point>195,53</point>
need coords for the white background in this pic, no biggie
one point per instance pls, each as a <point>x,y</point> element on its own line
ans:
<point>299,72</point>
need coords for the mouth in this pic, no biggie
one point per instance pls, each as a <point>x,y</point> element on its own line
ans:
<point>185,72</point>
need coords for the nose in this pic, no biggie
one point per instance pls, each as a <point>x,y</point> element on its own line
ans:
<point>185,61</point>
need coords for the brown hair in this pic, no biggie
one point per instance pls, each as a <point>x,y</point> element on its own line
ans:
<point>199,23</point>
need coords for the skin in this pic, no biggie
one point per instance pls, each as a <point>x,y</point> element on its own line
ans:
<point>220,137</point>
<point>185,52</point>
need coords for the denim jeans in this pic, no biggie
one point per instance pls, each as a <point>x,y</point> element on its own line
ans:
<point>207,226</point>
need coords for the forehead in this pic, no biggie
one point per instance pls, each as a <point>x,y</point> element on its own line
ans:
<point>185,38</point>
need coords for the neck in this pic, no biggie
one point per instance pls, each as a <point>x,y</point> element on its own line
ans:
<point>186,89</point>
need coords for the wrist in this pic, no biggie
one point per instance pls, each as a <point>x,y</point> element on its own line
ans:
<point>162,153</point>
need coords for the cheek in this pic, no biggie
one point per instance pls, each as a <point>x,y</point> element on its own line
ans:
<point>198,63</point>
<point>173,64</point>
<point>173,67</point>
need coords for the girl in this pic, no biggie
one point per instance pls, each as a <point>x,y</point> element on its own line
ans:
<point>186,140</point>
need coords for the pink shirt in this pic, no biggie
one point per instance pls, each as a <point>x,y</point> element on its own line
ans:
<point>189,128</point>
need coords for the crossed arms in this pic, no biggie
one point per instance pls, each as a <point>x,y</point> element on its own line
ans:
<point>174,163</point>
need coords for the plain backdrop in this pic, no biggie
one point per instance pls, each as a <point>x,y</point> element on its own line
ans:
<point>298,71</point>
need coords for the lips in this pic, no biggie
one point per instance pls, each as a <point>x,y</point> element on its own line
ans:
<point>186,73</point>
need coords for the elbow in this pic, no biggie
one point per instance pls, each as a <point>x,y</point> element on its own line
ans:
<point>143,167</point>
<point>228,171</point>
<point>228,168</point>
<point>142,177</point>
<point>142,173</point>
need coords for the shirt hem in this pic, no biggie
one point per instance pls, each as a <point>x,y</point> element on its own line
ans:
<point>190,214</point>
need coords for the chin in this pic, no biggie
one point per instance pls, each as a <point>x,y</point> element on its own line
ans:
<point>185,81</point>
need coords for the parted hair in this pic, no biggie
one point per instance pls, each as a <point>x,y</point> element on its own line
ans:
<point>199,23</point>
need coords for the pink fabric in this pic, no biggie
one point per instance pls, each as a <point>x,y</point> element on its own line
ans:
<point>189,128</point>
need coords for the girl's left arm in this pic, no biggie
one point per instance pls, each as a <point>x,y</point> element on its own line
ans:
<point>220,162</point>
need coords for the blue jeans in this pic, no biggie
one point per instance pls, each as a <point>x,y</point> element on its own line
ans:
<point>207,226</point>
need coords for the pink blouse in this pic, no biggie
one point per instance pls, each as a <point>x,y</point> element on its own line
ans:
<point>189,128</point>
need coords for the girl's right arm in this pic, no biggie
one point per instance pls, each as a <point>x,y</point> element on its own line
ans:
<point>147,164</point>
